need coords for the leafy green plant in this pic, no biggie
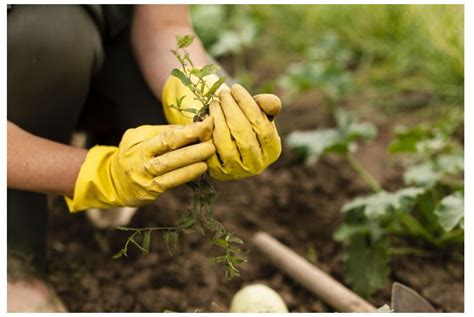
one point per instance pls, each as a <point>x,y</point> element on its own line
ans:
<point>324,67</point>
<point>194,78</point>
<point>199,218</point>
<point>341,140</point>
<point>424,218</point>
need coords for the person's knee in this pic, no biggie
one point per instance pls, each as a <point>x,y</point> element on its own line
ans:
<point>52,53</point>
<point>55,37</point>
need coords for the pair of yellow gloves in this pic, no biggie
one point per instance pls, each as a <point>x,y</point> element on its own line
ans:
<point>236,140</point>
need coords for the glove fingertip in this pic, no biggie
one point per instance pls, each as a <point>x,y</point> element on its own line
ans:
<point>269,103</point>
<point>207,126</point>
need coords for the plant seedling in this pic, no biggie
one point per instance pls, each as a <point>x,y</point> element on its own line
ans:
<point>199,218</point>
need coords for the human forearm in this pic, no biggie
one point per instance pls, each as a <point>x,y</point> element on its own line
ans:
<point>154,33</point>
<point>41,165</point>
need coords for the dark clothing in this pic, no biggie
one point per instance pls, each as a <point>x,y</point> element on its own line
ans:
<point>70,67</point>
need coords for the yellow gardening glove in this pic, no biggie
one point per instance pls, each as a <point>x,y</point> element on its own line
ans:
<point>148,161</point>
<point>246,140</point>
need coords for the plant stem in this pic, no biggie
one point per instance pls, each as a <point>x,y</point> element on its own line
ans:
<point>363,173</point>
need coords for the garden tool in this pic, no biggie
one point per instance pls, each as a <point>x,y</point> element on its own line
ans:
<point>321,284</point>
<point>407,300</point>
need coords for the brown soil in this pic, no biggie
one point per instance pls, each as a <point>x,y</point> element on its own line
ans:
<point>297,205</point>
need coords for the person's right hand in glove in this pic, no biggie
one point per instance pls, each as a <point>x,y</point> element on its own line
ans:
<point>148,161</point>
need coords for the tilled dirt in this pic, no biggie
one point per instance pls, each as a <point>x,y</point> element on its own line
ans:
<point>300,206</point>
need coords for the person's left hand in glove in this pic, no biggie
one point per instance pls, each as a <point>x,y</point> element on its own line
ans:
<point>246,138</point>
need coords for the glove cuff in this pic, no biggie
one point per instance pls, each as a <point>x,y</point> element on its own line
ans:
<point>94,186</point>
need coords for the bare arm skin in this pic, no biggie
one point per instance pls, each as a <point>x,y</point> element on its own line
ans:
<point>153,35</point>
<point>40,165</point>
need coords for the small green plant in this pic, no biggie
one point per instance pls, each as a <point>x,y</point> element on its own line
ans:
<point>325,67</point>
<point>194,78</point>
<point>199,218</point>
<point>341,140</point>
<point>423,218</point>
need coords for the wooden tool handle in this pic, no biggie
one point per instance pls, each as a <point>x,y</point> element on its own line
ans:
<point>315,280</point>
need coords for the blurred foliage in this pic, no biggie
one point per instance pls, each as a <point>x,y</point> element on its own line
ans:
<point>425,217</point>
<point>394,57</point>
<point>377,52</point>
<point>341,139</point>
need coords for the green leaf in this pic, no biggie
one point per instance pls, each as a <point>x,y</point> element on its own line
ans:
<point>421,175</point>
<point>236,39</point>
<point>424,140</point>
<point>367,265</point>
<point>215,86</point>
<point>341,140</point>
<point>383,203</point>
<point>454,237</point>
<point>186,221</point>
<point>179,101</point>
<point>429,173</point>
<point>234,239</point>
<point>181,76</point>
<point>192,110</point>
<point>362,131</point>
<point>196,72</point>
<point>221,243</point>
<point>184,41</point>
<point>450,211</point>
<point>146,242</point>
<point>209,69</point>
<point>413,227</point>
<point>119,254</point>
<point>314,143</point>
<point>171,240</point>
<point>406,140</point>
<point>346,231</point>
<point>450,163</point>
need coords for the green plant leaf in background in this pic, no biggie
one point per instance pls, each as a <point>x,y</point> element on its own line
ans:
<point>314,143</point>
<point>225,29</point>
<point>450,163</point>
<point>367,266</point>
<point>431,172</point>
<point>426,140</point>
<point>324,68</point>
<point>340,140</point>
<point>450,211</point>
<point>383,202</point>
<point>421,175</point>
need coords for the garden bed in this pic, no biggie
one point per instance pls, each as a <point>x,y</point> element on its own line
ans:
<point>298,205</point>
